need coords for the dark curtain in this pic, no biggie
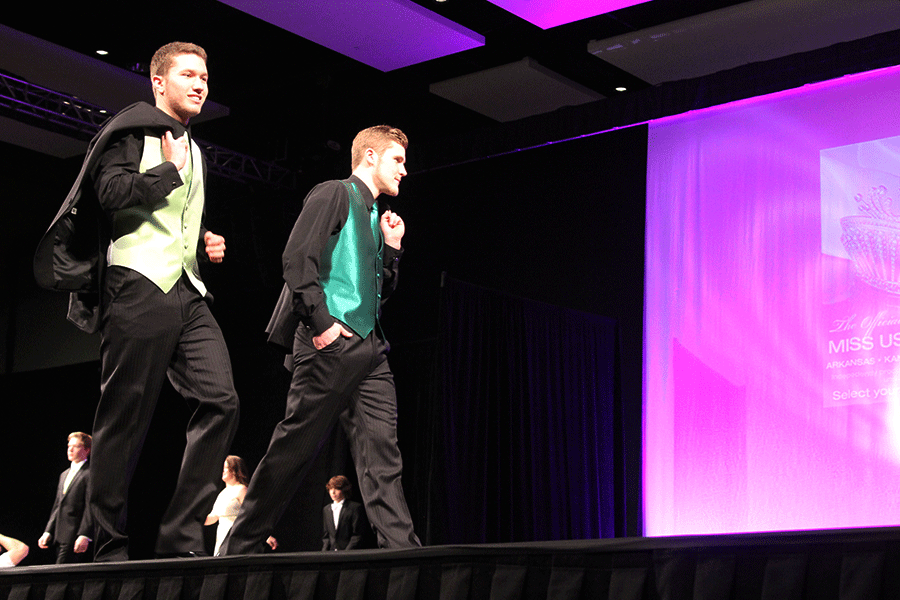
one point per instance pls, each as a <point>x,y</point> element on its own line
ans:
<point>529,419</point>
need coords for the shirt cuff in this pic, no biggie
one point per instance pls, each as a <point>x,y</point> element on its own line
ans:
<point>392,254</point>
<point>320,321</point>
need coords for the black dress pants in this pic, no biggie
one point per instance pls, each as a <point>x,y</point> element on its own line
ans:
<point>350,381</point>
<point>146,336</point>
<point>65,554</point>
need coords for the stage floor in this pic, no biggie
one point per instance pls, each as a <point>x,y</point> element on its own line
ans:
<point>846,564</point>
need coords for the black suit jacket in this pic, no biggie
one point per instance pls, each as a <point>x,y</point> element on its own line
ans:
<point>71,256</point>
<point>71,516</point>
<point>350,529</point>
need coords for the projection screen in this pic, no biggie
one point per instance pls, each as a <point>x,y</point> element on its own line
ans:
<point>772,312</point>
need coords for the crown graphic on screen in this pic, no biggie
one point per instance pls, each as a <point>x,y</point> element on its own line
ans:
<point>877,204</point>
<point>873,240</point>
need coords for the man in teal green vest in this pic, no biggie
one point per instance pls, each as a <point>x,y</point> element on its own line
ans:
<point>340,263</point>
<point>144,180</point>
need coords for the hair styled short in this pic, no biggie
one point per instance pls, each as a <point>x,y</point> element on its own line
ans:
<point>339,482</point>
<point>238,468</point>
<point>84,438</point>
<point>164,57</point>
<point>377,138</point>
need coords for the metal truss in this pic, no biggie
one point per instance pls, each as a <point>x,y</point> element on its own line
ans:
<point>51,110</point>
<point>67,115</point>
<point>240,167</point>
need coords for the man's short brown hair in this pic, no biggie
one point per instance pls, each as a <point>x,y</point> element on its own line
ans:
<point>84,438</point>
<point>339,482</point>
<point>164,57</point>
<point>377,138</point>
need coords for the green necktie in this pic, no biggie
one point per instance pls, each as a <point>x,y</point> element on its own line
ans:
<point>376,229</point>
<point>379,241</point>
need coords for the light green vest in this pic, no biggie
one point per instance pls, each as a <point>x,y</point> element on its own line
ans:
<point>161,241</point>
<point>350,267</point>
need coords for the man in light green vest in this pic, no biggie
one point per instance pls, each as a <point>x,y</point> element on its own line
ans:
<point>340,263</point>
<point>143,291</point>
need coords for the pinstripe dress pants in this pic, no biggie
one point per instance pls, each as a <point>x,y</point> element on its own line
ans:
<point>348,381</point>
<point>146,336</point>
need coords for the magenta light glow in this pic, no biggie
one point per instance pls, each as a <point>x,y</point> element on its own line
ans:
<point>385,34</point>
<point>559,12</point>
<point>772,313</point>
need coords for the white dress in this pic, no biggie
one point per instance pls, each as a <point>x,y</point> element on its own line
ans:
<point>227,507</point>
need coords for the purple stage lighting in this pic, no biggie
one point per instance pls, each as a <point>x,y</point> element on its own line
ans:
<point>559,12</point>
<point>385,34</point>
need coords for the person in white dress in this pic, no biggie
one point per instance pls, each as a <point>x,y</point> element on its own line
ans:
<point>228,503</point>
<point>15,551</point>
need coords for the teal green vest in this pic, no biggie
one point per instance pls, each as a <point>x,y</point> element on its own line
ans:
<point>350,267</point>
<point>160,242</point>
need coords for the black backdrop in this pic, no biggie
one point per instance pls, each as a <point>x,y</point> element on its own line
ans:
<point>527,411</point>
<point>561,224</point>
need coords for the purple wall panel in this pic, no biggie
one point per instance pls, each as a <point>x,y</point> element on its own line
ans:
<point>559,12</point>
<point>385,34</point>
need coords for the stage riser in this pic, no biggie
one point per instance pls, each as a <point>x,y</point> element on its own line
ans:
<point>728,567</point>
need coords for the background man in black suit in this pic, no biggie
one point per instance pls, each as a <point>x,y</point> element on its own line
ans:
<point>343,521</point>
<point>69,527</point>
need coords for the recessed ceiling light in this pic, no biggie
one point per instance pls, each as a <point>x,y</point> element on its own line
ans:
<point>102,52</point>
<point>621,89</point>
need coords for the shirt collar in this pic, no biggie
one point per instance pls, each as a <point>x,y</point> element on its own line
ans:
<point>367,196</point>
<point>178,128</point>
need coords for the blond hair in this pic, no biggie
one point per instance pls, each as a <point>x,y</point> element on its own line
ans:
<point>378,138</point>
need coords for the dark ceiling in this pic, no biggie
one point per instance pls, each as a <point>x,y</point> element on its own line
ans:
<point>290,99</point>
